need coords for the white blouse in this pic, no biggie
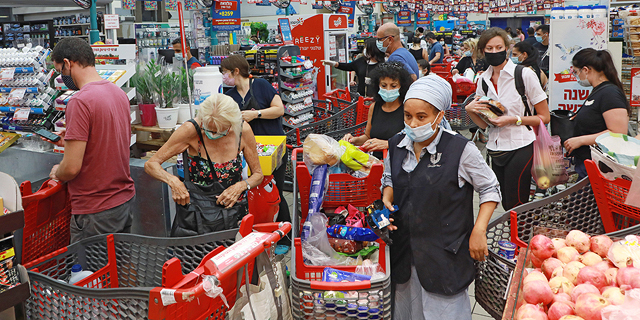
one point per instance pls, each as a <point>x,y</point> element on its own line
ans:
<point>511,137</point>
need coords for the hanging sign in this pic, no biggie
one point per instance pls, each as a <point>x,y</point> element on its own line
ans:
<point>348,8</point>
<point>226,16</point>
<point>404,17</point>
<point>635,87</point>
<point>111,21</point>
<point>285,31</point>
<point>422,18</point>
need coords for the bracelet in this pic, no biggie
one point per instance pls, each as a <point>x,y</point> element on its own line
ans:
<point>248,185</point>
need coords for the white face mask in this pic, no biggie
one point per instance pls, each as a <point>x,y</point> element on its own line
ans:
<point>422,133</point>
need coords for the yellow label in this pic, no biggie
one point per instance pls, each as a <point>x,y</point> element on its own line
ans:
<point>7,254</point>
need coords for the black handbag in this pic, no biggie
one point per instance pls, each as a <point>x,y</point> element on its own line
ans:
<point>562,125</point>
<point>203,215</point>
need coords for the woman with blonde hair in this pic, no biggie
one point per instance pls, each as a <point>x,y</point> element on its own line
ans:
<point>212,195</point>
<point>470,59</point>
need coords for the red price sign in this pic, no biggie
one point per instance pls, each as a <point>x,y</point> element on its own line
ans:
<point>227,5</point>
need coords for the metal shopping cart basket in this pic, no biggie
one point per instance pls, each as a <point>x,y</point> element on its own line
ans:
<point>573,208</point>
<point>134,280</point>
<point>307,291</point>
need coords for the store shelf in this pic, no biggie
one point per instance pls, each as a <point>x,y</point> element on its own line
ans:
<point>71,25</point>
<point>294,89</point>
<point>76,36</point>
<point>154,129</point>
<point>12,221</point>
<point>130,70</point>
<point>13,109</point>
<point>130,91</point>
<point>290,126</point>
<point>8,89</point>
<point>303,111</point>
<point>290,76</point>
<point>294,101</point>
<point>21,292</point>
<point>290,65</point>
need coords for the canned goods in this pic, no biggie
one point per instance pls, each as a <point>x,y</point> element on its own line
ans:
<point>507,249</point>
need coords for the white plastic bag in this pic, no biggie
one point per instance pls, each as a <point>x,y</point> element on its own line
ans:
<point>319,149</point>
<point>626,311</point>
<point>371,269</point>
<point>625,253</point>
<point>316,249</point>
<point>469,74</point>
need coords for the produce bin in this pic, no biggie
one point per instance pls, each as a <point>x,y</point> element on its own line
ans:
<point>309,296</point>
<point>573,208</point>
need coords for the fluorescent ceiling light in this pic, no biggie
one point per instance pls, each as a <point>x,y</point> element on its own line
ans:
<point>4,16</point>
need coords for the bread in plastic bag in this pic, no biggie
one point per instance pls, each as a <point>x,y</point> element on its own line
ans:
<point>548,167</point>
<point>320,149</point>
<point>626,311</point>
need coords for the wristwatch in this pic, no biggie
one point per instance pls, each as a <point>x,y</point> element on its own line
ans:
<point>519,122</point>
<point>248,185</point>
<point>259,114</point>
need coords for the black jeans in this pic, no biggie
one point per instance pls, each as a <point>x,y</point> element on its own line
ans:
<point>283,213</point>
<point>513,170</point>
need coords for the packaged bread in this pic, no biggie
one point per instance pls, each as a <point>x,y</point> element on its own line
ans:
<point>496,109</point>
<point>633,20</point>
<point>320,149</point>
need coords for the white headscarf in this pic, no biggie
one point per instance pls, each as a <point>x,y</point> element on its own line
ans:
<point>434,90</point>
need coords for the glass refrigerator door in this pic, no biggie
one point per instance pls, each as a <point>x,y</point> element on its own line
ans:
<point>338,50</point>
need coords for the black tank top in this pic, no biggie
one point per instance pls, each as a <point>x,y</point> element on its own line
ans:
<point>417,53</point>
<point>385,125</point>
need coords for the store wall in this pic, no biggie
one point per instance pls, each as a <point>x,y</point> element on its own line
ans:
<point>47,13</point>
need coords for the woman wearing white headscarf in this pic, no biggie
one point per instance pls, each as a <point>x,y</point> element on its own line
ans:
<point>431,173</point>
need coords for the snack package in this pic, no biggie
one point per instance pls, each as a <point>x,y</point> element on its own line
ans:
<point>357,160</point>
<point>352,233</point>
<point>320,149</point>
<point>495,110</point>
<point>318,188</point>
<point>347,246</point>
<point>335,275</point>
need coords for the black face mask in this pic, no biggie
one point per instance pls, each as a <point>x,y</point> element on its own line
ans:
<point>496,58</point>
<point>68,80</point>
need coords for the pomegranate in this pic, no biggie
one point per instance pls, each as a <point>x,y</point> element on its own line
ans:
<point>589,305</point>
<point>628,278</point>
<point>537,263</point>
<point>549,265</point>
<point>578,240</point>
<point>582,289</point>
<point>611,274</point>
<point>563,297</point>
<point>571,318</point>
<point>560,309</point>
<point>558,243</point>
<point>534,276</point>
<point>603,265</point>
<point>531,311</point>
<point>561,285</point>
<point>536,292</point>
<point>593,276</point>
<point>590,258</point>
<point>541,247</point>
<point>571,271</point>
<point>557,272</point>
<point>614,295</point>
<point>568,254</point>
<point>600,245</point>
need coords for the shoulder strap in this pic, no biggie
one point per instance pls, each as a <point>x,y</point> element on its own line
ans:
<point>485,86</point>
<point>195,124</point>
<point>521,90</point>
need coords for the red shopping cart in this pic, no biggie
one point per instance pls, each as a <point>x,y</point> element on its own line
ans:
<point>46,226</point>
<point>142,277</point>
<point>308,294</point>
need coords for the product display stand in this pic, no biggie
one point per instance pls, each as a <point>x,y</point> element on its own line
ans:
<point>295,93</point>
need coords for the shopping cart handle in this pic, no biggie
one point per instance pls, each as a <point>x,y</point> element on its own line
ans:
<point>48,188</point>
<point>342,286</point>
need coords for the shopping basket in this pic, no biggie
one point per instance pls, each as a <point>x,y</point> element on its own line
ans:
<point>610,196</point>
<point>573,208</point>
<point>342,94</point>
<point>363,109</point>
<point>133,275</point>
<point>47,213</point>
<point>458,118</point>
<point>308,293</point>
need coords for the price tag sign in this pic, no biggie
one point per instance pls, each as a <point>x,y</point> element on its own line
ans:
<point>22,114</point>
<point>17,93</point>
<point>7,73</point>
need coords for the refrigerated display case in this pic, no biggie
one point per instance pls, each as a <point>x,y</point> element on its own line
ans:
<point>324,37</point>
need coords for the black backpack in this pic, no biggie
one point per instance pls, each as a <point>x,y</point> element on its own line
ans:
<point>519,86</point>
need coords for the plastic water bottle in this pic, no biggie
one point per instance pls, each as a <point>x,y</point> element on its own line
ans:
<point>77,274</point>
<point>306,230</point>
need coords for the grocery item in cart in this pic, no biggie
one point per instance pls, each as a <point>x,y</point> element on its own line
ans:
<point>318,188</point>
<point>316,248</point>
<point>355,159</point>
<point>352,233</point>
<point>625,149</point>
<point>347,246</point>
<point>335,275</point>
<point>321,149</point>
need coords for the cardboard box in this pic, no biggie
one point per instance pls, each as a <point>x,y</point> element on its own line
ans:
<point>618,22</point>
<point>269,164</point>
<point>7,139</point>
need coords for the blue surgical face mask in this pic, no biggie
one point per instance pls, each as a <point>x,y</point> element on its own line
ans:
<point>215,135</point>
<point>467,54</point>
<point>421,133</point>
<point>539,39</point>
<point>380,45</point>
<point>389,95</point>
<point>515,60</point>
<point>585,82</point>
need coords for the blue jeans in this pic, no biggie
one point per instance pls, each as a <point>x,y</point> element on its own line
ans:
<point>581,170</point>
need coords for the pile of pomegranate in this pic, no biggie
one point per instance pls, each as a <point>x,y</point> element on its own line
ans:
<point>575,278</point>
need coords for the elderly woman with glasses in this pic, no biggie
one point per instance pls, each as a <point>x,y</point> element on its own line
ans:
<point>218,127</point>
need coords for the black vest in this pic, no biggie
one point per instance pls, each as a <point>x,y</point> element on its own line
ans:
<point>435,218</point>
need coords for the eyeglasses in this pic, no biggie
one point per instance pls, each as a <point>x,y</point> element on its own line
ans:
<point>215,135</point>
<point>383,38</point>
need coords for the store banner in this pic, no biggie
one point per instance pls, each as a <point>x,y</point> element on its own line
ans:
<point>150,5</point>
<point>129,4</point>
<point>348,8</point>
<point>404,17</point>
<point>422,18</point>
<point>190,5</point>
<point>635,88</point>
<point>264,3</point>
<point>171,5</point>
<point>285,31</point>
<point>226,16</point>
<point>566,38</point>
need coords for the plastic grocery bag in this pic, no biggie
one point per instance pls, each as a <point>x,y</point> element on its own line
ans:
<point>371,269</point>
<point>319,149</point>
<point>548,163</point>
<point>626,311</point>
<point>625,253</point>
<point>316,249</point>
